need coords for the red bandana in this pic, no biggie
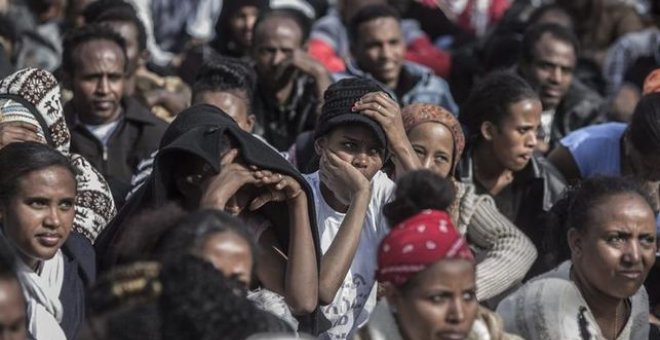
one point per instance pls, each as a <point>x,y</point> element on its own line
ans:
<point>416,244</point>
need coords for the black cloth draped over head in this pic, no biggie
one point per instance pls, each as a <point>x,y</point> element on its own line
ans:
<point>200,131</point>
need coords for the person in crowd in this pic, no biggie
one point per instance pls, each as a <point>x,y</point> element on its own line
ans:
<point>502,116</point>
<point>600,23</point>
<point>438,142</point>
<point>56,264</point>
<point>290,83</point>
<point>233,31</point>
<point>9,44</point>
<point>428,273</point>
<point>330,41</point>
<point>610,232</point>
<point>111,130</point>
<point>13,307</point>
<point>616,149</point>
<point>30,110</point>
<point>228,84</point>
<point>207,161</point>
<point>548,59</point>
<point>378,50</point>
<point>164,96</point>
<point>349,191</point>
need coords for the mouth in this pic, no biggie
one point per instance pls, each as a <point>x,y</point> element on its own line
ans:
<point>525,157</point>
<point>551,93</point>
<point>452,335</point>
<point>103,105</point>
<point>49,240</point>
<point>631,274</point>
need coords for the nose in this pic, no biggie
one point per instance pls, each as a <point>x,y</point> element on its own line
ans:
<point>456,313</point>
<point>632,253</point>
<point>427,163</point>
<point>556,74</point>
<point>278,58</point>
<point>360,160</point>
<point>532,139</point>
<point>249,22</point>
<point>53,219</point>
<point>102,86</point>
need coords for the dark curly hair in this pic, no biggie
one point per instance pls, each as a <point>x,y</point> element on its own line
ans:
<point>225,75</point>
<point>102,11</point>
<point>416,191</point>
<point>83,35</point>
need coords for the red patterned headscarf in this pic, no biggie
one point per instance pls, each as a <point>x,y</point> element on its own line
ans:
<point>417,243</point>
<point>419,113</point>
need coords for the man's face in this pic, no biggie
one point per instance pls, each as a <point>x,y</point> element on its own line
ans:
<point>551,69</point>
<point>275,42</point>
<point>98,81</point>
<point>379,49</point>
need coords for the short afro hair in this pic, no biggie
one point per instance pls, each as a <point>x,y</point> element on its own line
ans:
<point>84,35</point>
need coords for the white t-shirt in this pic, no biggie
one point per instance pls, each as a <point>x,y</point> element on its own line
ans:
<point>103,132</point>
<point>356,297</point>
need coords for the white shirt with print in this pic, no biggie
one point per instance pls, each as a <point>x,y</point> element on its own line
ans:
<point>356,297</point>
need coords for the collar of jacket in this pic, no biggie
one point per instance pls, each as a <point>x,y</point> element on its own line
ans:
<point>535,171</point>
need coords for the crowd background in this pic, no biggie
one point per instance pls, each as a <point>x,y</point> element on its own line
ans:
<point>347,169</point>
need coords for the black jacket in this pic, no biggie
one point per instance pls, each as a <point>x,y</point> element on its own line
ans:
<point>527,200</point>
<point>79,275</point>
<point>136,137</point>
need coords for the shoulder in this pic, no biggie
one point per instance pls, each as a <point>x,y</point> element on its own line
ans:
<point>138,114</point>
<point>78,248</point>
<point>594,135</point>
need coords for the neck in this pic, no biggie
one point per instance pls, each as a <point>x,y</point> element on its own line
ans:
<point>489,171</point>
<point>332,200</point>
<point>608,310</point>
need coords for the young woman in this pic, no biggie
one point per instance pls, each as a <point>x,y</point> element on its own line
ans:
<point>30,110</point>
<point>428,271</point>
<point>37,197</point>
<point>597,294</point>
<point>437,142</point>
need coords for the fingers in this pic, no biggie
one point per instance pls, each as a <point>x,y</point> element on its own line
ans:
<point>17,133</point>
<point>229,157</point>
<point>24,125</point>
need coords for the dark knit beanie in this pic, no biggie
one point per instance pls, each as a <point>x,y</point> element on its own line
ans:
<point>338,100</point>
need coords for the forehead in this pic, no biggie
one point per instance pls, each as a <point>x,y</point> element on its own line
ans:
<point>99,51</point>
<point>549,46</point>
<point>384,28</point>
<point>231,103</point>
<point>53,180</point>
<point>624,210</point>
<point>278,28</point>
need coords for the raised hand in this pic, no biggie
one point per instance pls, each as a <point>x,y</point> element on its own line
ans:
<point>12,132</point>
<point>218,189</point>
<point>341,177</point>
<point>279,188</point>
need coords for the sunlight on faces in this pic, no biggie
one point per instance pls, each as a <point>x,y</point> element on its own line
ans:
<point>230,254</point>
<point>513,140</point>
<point>357,145</point>
<point>434,145</point>
<point>616,250</point>
<point>380,49</point>
<point>437,303</point>
<point>98,81</point>
<point>275,41</point>
<point>13,319</point>
<point>232,104</point>
<point>38,218</point>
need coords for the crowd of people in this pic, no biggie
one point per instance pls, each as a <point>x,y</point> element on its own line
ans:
<point>347,169</point>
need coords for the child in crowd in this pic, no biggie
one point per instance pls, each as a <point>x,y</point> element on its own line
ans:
<point>349,191</point>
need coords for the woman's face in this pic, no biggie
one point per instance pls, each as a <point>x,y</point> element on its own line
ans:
<point>38,218</point>
<point>13,319</point>
<point>434,145</point>
<point>616,250</point>
<point>230,254</point>
<point>241,24</point>
<point>440,304</point>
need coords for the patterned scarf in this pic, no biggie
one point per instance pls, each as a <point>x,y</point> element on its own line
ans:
<point>33,96</point>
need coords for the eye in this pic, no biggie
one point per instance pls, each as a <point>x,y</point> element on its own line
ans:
<point>648,241</point>
<point>37,203</point>
<point>615,239</point>
<point>375,151</point>
<point>66,205</point>
<point>349,145</point>
<point>469,296</point>
<point>440,159</point>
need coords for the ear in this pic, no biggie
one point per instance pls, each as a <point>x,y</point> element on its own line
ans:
<point>487,130</point>
<point>574,238</point>
<point>251,120</point>
<point>319,145</point>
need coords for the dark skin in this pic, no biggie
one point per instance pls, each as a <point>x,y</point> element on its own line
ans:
<point>16,132</point>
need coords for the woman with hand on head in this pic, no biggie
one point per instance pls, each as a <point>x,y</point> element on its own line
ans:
<point>609,227</point>
<point>428,272</point>
<point>430,137</point>
<point>56,264</point>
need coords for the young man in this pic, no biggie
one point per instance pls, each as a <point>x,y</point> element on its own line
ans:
<point>349,192</point>
<point>548,60</point>
<point>378,50</point>
<point>114,132</point>
<point>502,116</point>
<point>291,83</point>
